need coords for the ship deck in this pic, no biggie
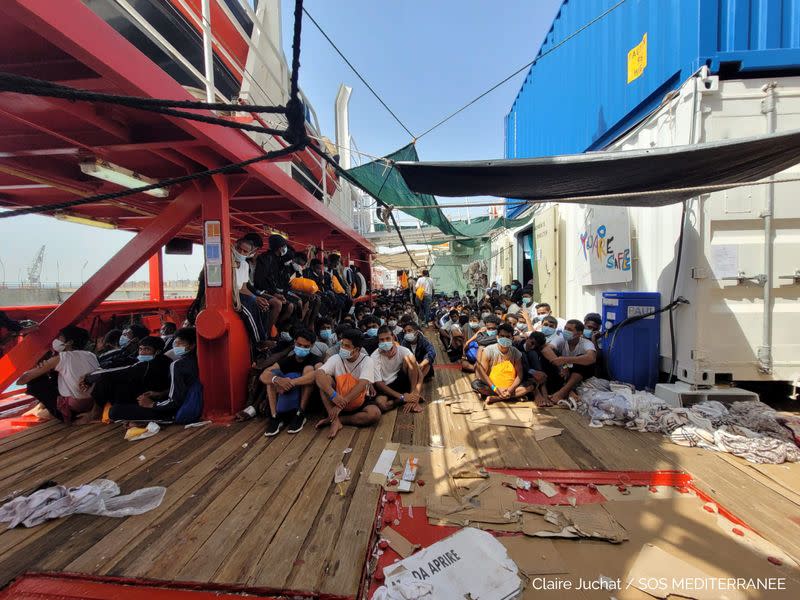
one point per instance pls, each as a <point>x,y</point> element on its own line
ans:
<point>246,512</point>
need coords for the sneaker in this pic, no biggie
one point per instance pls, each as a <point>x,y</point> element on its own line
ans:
<point>273,427</point>
<point>297,422</point>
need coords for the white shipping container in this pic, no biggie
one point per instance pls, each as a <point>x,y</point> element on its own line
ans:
<point>726,332</point>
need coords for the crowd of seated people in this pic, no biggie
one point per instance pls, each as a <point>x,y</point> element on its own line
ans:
<point>317,347</point>
<point>515,347</point>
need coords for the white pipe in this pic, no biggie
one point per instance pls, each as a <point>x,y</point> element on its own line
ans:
<point>208,51</point>
<point>765,351</point>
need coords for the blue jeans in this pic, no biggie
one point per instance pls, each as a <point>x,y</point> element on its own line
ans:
<point>425,315</point>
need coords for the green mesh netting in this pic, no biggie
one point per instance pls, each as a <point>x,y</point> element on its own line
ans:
<point>384,182</point>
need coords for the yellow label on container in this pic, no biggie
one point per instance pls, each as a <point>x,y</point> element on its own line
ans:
<point>637,59</point>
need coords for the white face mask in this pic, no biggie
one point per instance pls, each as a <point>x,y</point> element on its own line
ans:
<point>58,345</point>
<point>284,250</point>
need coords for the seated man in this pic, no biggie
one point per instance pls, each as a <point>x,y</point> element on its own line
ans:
<point>270,283</point>
<point>573,355</point>
<point>531,348</point>
<point>499,369</point>
<point>394,324</point>
<point>290,383</point>
<point>167,333</point>
<point>369,325</point>
<point>343,381</point>
<point>543,310</point>
<point>63,395</point>
<point>420,346</point>
<point>124,386</point>
<point>163,406</point>
<point>486,336</point>
<point>128,348</point>
<point>398,379</point>
<point>592,324</point>
<point>109,344</point>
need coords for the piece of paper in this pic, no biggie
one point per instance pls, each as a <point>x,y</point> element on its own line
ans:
<point>404,486</point>
<point>547,488</point>
<point>656,565</point>
<point>398,543</point>
<point>725,260</point>
<point>468,564</point>
<point>384,463</point>
<point>534,556</point>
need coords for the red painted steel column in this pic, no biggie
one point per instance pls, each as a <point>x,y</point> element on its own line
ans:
<point>98,287</point>
<point>223,347</point>
<point>156,265</point>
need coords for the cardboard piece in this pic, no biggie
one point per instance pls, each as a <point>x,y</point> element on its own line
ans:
<point>398,543</point>
<point>508,417</point>
<point>468,564</point>
<point>586,520</point>
<point>384,463</point>
<point>543,432</point>
<point>654,564</point>
<point>534,556</point>
<point>547,488</point>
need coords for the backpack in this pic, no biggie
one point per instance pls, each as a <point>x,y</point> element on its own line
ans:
<point>192,408</point>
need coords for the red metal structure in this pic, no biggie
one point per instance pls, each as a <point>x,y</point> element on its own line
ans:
<point>43,140</point>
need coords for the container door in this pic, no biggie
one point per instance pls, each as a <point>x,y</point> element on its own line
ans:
<point>545,257</point>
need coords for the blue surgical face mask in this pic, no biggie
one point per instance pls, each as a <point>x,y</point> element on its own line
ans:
<point>587,333</point>
<point>567,335</point>
<point>410,337</point>
<point>345,354</point>
<point>372,332</point>
<point>514,287</point>
<point>240,257</point>
<point>301,352</point>
<point>124,340</point>
<point>392,323</point>
<point>485,314</point>
<point>491,332</point>
<point>286,336</point>
<point>505,342</point>
<point>386,346</point>
<point>179,350</point>
<point>526,301</point>
<point>145,357</point>
<point>548,331</point>
<point>325,333</point>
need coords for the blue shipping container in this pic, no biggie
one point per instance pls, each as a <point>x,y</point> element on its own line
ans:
<point>601,82</point>
<point>632,351</point>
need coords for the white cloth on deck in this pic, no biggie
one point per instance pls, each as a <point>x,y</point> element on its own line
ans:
<point>100,497</point>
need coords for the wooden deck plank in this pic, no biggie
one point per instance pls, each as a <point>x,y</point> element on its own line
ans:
<point>275,566</point>
<point>240,510</point>
<point>308,570</point>
<point>345,565</point>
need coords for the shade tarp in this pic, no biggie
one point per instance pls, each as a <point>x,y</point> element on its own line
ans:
<point>632,177</point>
<point>382,180</point>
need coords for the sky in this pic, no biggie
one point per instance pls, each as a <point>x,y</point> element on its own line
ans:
<point>425,58</point>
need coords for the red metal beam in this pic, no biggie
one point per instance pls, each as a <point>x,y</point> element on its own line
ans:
<point>98,287</point>
<point>73,27</point>
<point>156,268</point>
<point>223,350</point>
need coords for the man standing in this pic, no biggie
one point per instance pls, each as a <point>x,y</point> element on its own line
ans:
<point>425,284</point>
<point>398,379</point>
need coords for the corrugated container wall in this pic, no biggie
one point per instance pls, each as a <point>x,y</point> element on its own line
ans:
<point>582,96</point>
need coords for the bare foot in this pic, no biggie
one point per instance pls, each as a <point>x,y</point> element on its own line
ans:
<point>336,426</point>
<point>493,399</point>
<point>323,423</point>
<point>556,398</point>
<point>416,408</point>
<point>544,402</point>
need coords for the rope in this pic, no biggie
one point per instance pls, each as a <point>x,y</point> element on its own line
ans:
<point>160,184</point>
<point>295,111</point>
<point>36,87</point>
<point>364,81</point>
<point>521,69</point>
<point>8,80</point>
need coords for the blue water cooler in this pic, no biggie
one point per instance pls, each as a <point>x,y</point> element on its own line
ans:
<point>632,351</point>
